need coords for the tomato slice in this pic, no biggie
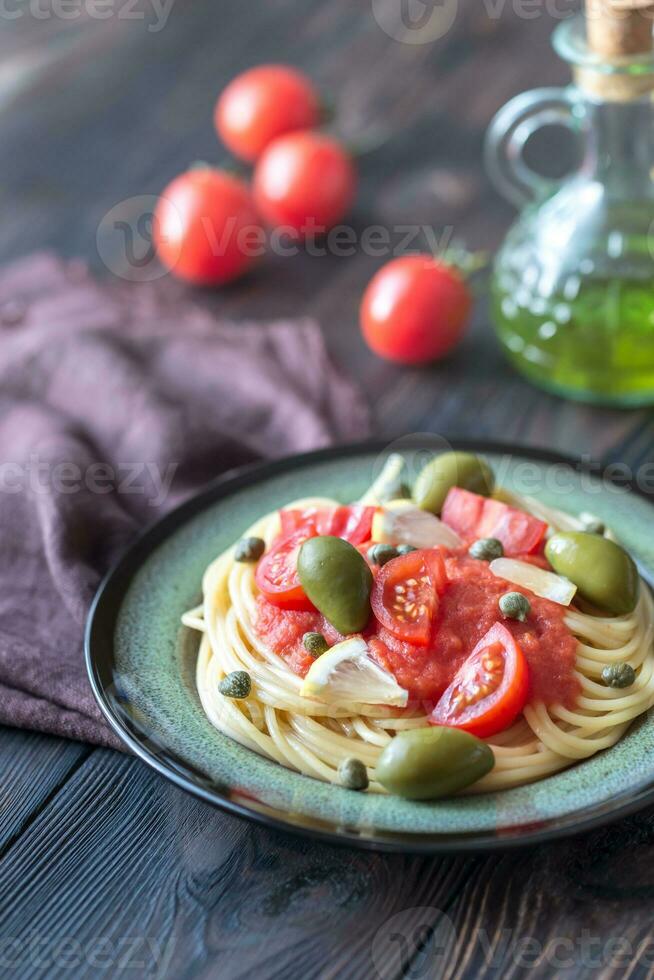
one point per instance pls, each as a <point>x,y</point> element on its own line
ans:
<point>353,523</point>
<point>473,516</point>
<point>490,690</point>
<point>276,575</point>
<point>405,594</point>
<point>293,520</point>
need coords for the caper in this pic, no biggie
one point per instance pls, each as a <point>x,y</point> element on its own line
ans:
<point>463,470</point>
<point>236,685</point>
<point>514,605</point>
<point>315,644</point>
<point>353,774</point>
<point>337,580</point>
<point>405,549</point>
<point>619,675</point>
<point>486,549</point>
<point>427,763</point>
<point>249,549</point>
<point>379,554</point>
<point>592,524</point>
<point>603,572</point>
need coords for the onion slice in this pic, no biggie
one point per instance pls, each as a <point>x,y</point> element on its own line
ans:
<point>548,585</point>
<point>401,522</point>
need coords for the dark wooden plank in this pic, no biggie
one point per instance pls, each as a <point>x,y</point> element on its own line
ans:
<point>122,864</point>
<point>32,770</point>
<point>579,908</point>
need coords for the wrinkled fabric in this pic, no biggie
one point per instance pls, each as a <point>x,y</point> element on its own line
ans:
<point>117,401</point>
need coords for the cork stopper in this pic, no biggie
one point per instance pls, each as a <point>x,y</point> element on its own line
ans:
<point>618,31</point>
<point>619,28</point>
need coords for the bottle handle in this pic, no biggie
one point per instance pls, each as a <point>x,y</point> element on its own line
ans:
<point>509,132</point>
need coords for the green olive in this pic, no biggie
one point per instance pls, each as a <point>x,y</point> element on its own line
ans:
<point>427,763</point>
<point>603,572</point>
<point>463,470</point>
<point>337,580</point>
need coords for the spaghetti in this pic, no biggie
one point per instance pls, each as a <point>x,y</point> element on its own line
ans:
<point>310,736</point>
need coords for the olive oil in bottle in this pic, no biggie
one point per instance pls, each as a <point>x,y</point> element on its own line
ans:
<point>594,339</point>
<point>573,283</point>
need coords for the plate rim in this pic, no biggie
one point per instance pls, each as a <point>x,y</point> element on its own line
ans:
<point>99,646</point>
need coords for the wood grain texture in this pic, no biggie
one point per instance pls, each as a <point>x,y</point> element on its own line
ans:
<point>33,771</point>
<point>121,864</point>
<point>106,869</point>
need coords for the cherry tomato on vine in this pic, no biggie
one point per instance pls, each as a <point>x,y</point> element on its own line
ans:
<point>304,183</point>
<point>262,104</point>
<point>203,226</point>
<point>415,310</point>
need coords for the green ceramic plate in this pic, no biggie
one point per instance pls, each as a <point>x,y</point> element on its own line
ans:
<point>141,665</point>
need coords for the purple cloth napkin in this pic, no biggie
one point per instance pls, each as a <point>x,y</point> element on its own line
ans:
<point>117,401</point>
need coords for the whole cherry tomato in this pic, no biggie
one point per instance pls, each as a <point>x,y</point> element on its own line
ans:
<point>262,104</point>
<point>415,310</point>
<point>304,182</point>
<point>203,227</point>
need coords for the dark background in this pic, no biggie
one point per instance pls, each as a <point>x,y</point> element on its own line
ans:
<point>106,869</point>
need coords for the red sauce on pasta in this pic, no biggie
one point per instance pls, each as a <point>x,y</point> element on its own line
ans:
<point>467,610</point>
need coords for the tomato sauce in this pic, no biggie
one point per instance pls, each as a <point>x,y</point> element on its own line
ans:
<point>283,630</point>
<point>467,610</point>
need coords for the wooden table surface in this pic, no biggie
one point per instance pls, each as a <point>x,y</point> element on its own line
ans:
<point>107,870</point>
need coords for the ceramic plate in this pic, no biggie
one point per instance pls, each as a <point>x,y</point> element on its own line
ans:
<point>141,663</point>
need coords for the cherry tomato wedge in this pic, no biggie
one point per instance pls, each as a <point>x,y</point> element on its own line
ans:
<point>490,690</point>
<point>293,520</point>
<point>353,523</point>
<point>404,597</point>
<point>276,575</point>
<point>473,516</point>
